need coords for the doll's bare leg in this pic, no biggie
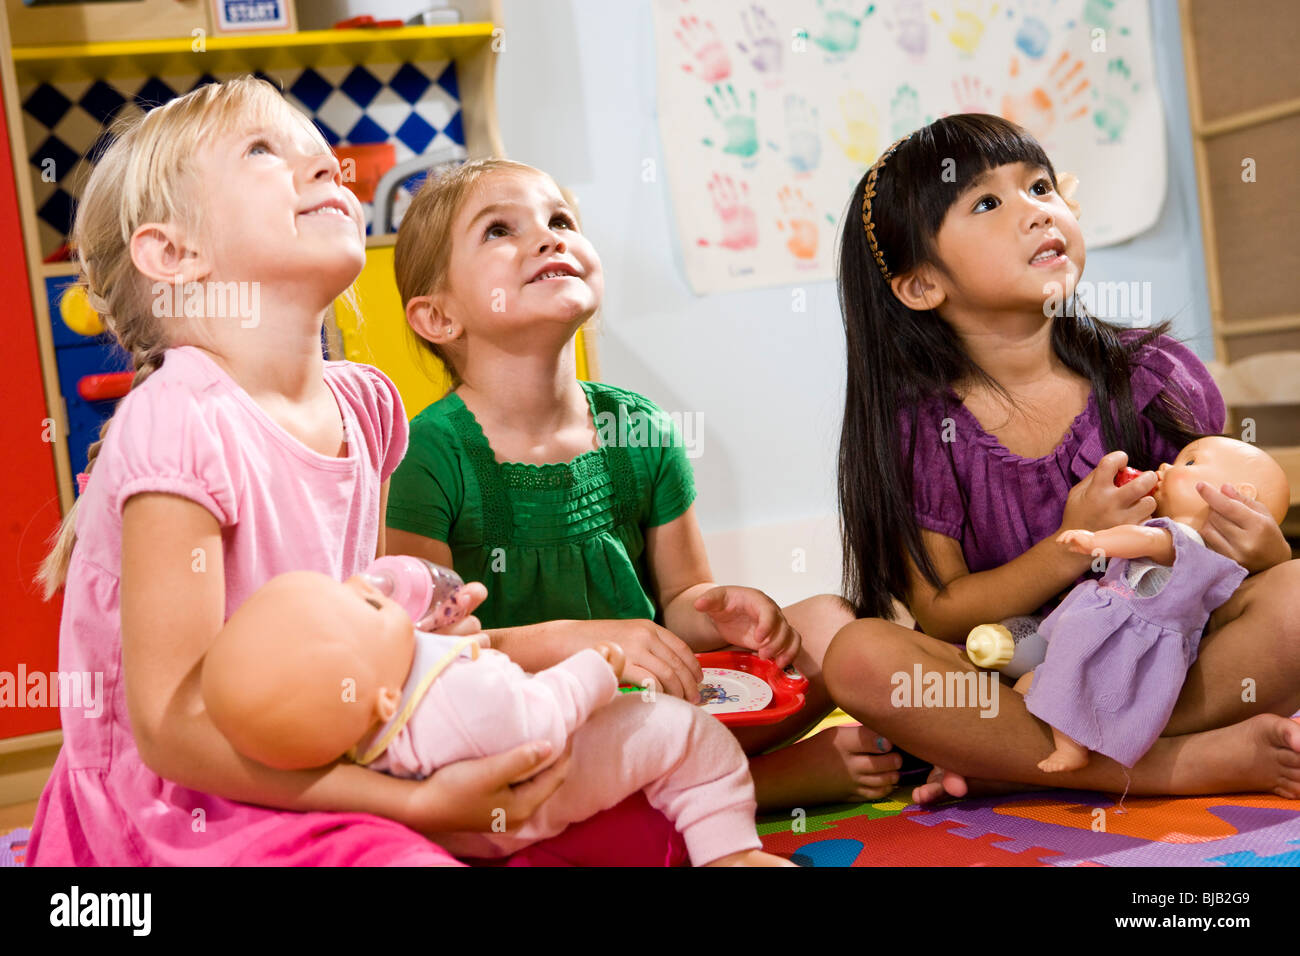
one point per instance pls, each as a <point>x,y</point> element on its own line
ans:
<point>839,763</point>
<point>1068,755</point>
<point>1260,754</point>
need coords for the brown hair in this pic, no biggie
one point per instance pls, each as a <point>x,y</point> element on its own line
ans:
<point>146,175</point>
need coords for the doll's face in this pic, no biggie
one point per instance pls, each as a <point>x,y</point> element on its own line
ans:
<point>306,667</point>
<point>1218,461</point>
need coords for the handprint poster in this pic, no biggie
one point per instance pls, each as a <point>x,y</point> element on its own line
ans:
<point>770,112</point>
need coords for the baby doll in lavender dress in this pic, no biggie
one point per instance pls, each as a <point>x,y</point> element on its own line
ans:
<point>1118,649</point>
<point>309,669</point>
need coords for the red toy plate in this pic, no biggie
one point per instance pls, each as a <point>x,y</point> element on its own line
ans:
<point>787,685</point>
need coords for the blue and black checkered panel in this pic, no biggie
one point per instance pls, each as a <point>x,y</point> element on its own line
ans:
<point>416,107</point>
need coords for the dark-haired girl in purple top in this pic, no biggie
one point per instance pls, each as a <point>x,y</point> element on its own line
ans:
<point>980,419</point>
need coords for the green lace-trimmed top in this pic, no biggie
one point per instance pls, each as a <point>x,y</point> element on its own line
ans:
<point>551,542</point>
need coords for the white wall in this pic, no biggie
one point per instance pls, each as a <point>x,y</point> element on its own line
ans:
<point>576,96</point>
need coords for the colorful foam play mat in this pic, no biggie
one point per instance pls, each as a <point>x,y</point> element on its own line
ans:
<point>1045,828</point>
<point>1041,828</point>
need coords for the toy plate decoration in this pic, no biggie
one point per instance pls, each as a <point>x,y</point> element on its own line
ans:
<point>742,690</point>
<point>727,691</point>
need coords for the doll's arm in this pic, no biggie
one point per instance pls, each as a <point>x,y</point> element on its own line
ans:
<point>1123,541</point>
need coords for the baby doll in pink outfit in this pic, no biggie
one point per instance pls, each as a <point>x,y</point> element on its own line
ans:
<point>308,670</point>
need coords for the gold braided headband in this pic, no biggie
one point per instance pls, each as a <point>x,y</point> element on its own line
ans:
<point>869,194</point>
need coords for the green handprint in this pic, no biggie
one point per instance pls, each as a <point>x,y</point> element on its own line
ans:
<point>839,27</point>
<point>905,112</point>
<point>1111,114</point>
<point>861,140</point>
<point>740,129</point>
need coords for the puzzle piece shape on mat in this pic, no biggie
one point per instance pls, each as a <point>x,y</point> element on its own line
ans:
<point>825,818</point>
<point>1251,858</point>
<point>1259,828</point>
<point>827,853</point>
<point>897,842</point>
<point>978,818</point>
<point>1162,819</point>
<point>13,847</point>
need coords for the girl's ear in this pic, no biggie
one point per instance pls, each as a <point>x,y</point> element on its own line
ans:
<point>159,250</point>
<point>425,315</point>
<point>918,289</point>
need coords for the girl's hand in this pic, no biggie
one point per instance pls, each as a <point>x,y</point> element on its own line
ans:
<point>468,597</point>
<point>655,656</point>
<point>1242,530</point>
<point>749,618</point>
<point>472,795</point>
<point>1095,504</point>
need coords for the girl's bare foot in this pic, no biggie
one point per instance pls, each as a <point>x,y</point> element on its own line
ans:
<point>1259,755</point>
<point>942,784</point>
<point>838,765</point>
<point>751,858</point>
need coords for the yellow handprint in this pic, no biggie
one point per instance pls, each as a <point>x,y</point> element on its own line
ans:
<point>968,23</point>
<point>861,140</point>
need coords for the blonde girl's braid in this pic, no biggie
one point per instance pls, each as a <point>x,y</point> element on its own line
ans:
<point>145,176</point>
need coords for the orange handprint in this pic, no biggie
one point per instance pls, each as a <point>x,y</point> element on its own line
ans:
<point>1055,99</point>
<point>797,211</point>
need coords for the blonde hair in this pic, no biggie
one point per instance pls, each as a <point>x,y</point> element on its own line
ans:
<point>422,255</point>
<point>147,175</point>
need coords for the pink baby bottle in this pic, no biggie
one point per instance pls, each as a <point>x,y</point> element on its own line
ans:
<point>426,590</point>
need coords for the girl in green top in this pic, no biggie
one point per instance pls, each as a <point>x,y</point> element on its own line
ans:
<point>572,501</point>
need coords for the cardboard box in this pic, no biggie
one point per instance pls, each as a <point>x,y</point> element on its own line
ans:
<point>102,21</point>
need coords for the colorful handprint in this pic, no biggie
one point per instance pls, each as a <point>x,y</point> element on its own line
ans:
<point>911,32</point>
<point>973,95</point>
<point>709,59</point>
<point>840,27</point>
<point>804,140</point>
<point>861,139</point>
<point>798,223</point>
<point>970,18</point>
<point>765,49</point>
<point>905,112</point>
<point>740,128</point>
<point>735,215</point>
<point>1111,111</point>
<point>1057,99</point>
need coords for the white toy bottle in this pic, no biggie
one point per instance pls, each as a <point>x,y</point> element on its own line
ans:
<point>1013,647</point>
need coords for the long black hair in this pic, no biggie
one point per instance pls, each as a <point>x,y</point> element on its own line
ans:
<point>898,357</point>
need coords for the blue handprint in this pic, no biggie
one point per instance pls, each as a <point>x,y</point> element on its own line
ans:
<point>801,131</point>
